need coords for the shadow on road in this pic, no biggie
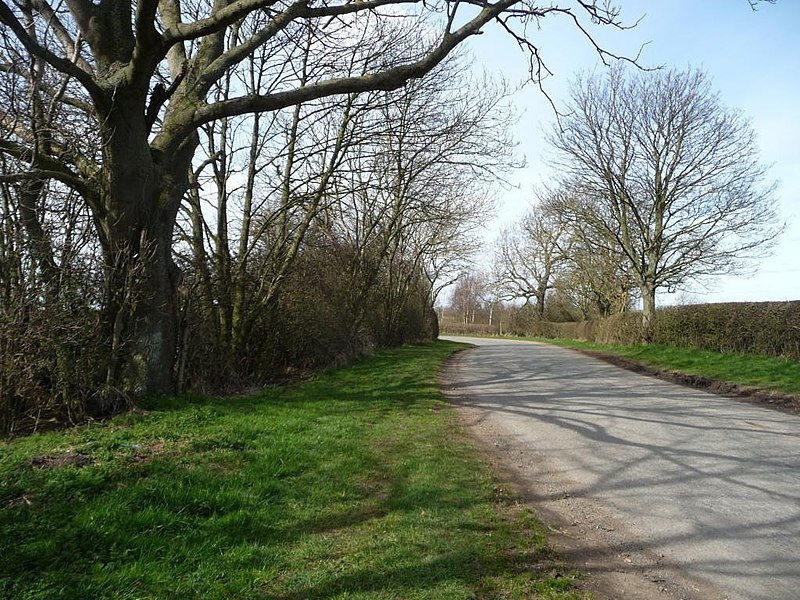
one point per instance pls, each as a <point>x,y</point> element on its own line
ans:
<point>700,483</point>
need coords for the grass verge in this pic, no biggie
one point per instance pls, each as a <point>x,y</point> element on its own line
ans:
<point>750,371</point>
<point>359,484</point>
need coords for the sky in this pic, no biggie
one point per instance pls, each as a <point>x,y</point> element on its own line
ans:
<point>753,59</point>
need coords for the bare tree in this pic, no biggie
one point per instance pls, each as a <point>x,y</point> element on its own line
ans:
<point>49,285</point>
<point>260,185</point>
<point>597,280</point>
<point>662,173</point>
<point>492,297</point>
<point>530,256</point>
<point>467,296</point>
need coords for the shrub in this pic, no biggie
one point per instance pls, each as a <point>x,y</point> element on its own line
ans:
<point>51,366</point>
<point>765,328</point>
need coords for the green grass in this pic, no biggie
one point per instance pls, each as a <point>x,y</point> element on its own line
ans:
<point>762,372</point>
<point>359,484</point>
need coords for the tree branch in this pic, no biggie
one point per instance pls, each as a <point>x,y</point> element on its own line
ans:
<point>62,65</point>
<point>70,45</point>
<point>181,32</point>
<point>148,49</point>
<point>236,54</point>
<point>46,167</point>
<point>389,79</point>
<point>52,93</point>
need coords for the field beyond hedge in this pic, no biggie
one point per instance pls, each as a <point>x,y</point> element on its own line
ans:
<point>358,484</point>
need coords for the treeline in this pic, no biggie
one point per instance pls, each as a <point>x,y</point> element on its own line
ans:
<point>306,236</point>
<point>763,328</point>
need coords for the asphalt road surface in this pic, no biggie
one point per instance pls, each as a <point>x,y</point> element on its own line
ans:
<point>696,495</point>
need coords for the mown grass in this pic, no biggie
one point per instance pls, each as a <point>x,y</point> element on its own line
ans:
<point>761,372</point>
<point>359,484</point>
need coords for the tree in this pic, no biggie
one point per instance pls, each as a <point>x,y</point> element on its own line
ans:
<point>259,187</point>
<point>467,296</point>
<point>50,289</point>
<point>141,73</point>
<point>597,280</point>
<point>492,298</point>
<point>375,188</point>
<point>660,172</point>
<point>531,255</point>
<point>412,194</point>
<point>594,278</point>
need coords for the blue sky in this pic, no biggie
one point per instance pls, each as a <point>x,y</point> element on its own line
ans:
<point>753,58</point>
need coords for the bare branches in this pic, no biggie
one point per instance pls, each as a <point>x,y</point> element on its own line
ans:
<point>237,53</point>
<point>754,3</point>
<point>605,17</point>
<point>43,167</point>
<point>531,256</point>
<point>71,45</point>
<point>388,79</point>
<point>67,67</point>
<point>181,32</point>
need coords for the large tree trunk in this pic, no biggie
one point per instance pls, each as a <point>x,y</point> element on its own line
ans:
<point>141,311</point>
<point>141,194</point>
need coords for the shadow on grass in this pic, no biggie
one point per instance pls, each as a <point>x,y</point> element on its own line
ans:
<point>455,569</point>
<point>76,544</point>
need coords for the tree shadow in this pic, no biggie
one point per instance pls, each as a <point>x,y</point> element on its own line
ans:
<point>712,483</point>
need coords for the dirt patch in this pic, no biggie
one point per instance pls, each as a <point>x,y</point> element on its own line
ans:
<point>68,459</point>
<point>781,402</point>
<point>143,452</point>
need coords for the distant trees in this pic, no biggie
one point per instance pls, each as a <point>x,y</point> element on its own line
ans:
<point>467,296</point>
<point>657,172</point>
<point>476,298</point>
<point>544,258</point>
<point>413,192</point>
<point>597,281</point>
<point>657,184</point>
<point>531,256</point>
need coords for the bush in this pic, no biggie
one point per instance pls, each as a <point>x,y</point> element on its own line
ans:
<point>325,315</point>
<point>51,366</point>
<point>456,328</point>
<point>765,328</point>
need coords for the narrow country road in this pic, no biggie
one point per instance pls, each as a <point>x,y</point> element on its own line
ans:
<point>656,490</point>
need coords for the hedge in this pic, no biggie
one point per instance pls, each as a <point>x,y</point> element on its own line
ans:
<point>765,328</point>
<point>450,328</point>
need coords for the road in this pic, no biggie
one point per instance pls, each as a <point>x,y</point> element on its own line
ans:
<point>695,495</point>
